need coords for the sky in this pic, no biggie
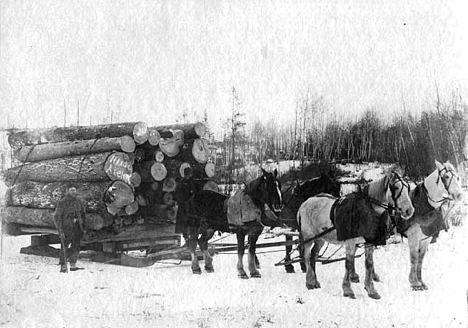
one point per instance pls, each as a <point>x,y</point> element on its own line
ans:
<point>90,62</point>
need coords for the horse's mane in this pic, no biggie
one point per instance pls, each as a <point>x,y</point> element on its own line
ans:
<point>378,189</point>
<point>449,166</point>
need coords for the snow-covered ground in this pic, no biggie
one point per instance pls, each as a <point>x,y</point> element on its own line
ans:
<point>34,294</point>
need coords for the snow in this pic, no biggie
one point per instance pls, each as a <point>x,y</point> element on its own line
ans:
<point>35,294</point>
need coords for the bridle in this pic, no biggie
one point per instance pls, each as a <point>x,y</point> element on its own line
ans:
<point>453,175</point>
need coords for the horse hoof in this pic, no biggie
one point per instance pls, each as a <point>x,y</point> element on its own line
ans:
<point>313,286</point>
<point>243,276</point>
<point>375,296</point>
<point>350,295</point>
<point>354,279</point>
<point>417,288</point>
<point>209,269</point>
<point>256,275</point>
<point>196,271</point>
<point>424,286</point>
<point>290,269</point>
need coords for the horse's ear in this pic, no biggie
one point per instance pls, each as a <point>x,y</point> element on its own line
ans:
<point>263,171</point>
<point>439,165</point>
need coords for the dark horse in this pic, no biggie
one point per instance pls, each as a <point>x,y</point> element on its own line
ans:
<point>245,213</point>
<point>293,200</point>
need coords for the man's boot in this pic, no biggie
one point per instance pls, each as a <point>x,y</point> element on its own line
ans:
<point>63,268</point>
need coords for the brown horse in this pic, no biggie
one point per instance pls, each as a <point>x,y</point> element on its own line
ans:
<point>317,220</point>
<point>429,198</point>
<point>245,213</point>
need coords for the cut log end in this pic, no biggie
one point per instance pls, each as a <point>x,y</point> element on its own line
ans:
<point>154,137</point>
<point>140,132</point>
<point>158,171</point>
<point>127,144</point>
<point>200,150</point>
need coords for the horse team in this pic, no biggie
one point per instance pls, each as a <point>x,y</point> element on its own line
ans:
<point>366,217</point>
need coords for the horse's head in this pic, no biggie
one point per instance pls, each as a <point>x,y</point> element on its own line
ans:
<point>450,180</point>
<point>266,190</point>
<point>391,190</point>
<point>398,190</point>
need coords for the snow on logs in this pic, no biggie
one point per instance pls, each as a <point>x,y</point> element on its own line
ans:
<point>124,172</point>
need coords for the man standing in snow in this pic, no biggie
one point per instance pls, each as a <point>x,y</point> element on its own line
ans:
<point>69,217</point>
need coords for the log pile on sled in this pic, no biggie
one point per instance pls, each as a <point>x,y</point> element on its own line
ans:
<point>125,173</point>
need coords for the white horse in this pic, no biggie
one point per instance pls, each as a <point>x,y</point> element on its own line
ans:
<point>429,197</point>
<point>316,227</point>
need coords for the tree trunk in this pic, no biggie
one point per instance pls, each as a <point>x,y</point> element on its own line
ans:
<point>45,217</point>
<point>36,153</point>
<point>24,137</point>
<point>75,168</point>
<point>46,195</point>
<point>190,130</point>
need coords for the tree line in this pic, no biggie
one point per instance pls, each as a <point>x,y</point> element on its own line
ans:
<point>319,135</point>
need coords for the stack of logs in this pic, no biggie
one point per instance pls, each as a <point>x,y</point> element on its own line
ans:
<point>125,173</point>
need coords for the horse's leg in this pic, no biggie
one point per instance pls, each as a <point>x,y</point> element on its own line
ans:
<point>311,278</point>
<point>423,245</point>
<point>192,244</point>
<point>288,267</point>
<point>301,256</point>
<point>318,244</point>
<point>375,276</point>
<point>414,237</point>
<point>203,243</point>
<point>369,281</point>
<point>353,276</point>
<point>349,265</point>
<point>253,237</point>
<point>240,254</point>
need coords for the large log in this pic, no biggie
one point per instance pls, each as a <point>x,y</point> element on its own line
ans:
<point>119,167</point>
<point>45,217</point>
<point>190,130</point>
<point>46,195</point>
<point>24,137</point>
<point>195,149</point>
<point>42,152</point>
<point>89,168</point>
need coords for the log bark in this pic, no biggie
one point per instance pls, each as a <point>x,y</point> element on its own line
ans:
<point>88,168</point>
<point>24,137</point>
<point>191,130</point>
<point>36,153</point>
<point>46,195</point>
<point>45,217</point>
